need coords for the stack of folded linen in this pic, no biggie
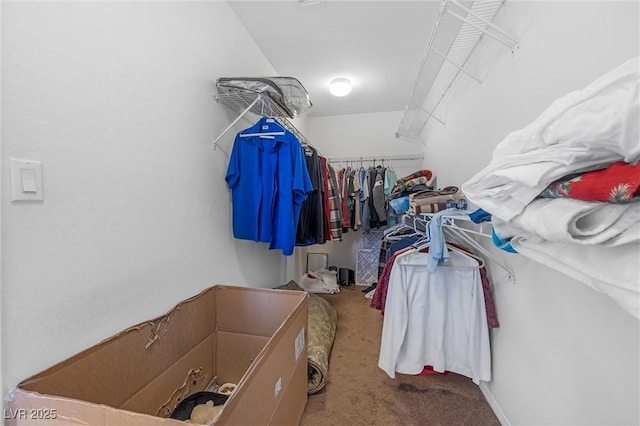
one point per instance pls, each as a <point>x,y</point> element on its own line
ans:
<point>564,190</point>
<point>432,201</point>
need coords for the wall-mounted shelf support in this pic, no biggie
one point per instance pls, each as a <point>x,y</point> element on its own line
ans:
<point>457,66</point>
<point>233,123</point>
<point>258,104</point>
<point>432,116</point>
<point>456,34</point>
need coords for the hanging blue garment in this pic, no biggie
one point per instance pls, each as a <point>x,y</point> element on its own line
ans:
<point>269,181</point>
<point>438,252</point>
<point>293,184</point>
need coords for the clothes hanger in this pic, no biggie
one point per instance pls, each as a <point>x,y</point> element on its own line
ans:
<point>424,243</point>
<point>467,254</point>
<point>402,224</point>
<point>413,248</point>
<point>420,247</point>
<point>265,124</point>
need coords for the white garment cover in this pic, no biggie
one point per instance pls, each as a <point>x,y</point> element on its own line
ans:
<point>435,319</point>
<point>584,130</point>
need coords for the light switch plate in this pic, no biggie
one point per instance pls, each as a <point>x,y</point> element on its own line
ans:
<point>26,180</point>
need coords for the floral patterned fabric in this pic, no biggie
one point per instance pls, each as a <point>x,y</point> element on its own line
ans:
<point>617,183</point>
<point>323,321</point>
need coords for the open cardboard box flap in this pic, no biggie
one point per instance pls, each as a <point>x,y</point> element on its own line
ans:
<point>253,337</point>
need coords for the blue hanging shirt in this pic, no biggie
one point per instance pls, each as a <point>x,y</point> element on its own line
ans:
<point>269,181</point>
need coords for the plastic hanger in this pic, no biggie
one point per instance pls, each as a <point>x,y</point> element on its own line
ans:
<point>395,228</point>
<point>265,123</point>
<point>426,244</point>
<point>402,225</point>
<point>467,254</point>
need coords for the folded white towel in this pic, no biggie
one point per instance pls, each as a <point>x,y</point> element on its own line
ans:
<point>574,221</point>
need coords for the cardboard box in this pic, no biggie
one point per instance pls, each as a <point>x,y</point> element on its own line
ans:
<point>253,337</point>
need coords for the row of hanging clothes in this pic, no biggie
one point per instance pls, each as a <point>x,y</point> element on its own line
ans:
<point>436,301</point>
<point>355,197</point>
<point>364,191</point>
<point>369,192</point>
<point>285,193</point>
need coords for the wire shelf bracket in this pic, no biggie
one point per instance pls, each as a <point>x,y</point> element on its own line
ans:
<point>257,104</point>
<point>457,32</point>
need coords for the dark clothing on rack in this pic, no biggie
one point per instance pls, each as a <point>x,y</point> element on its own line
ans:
<point>392,244</point>
<point>373,215</point>
<point>378,196</point>
<point>346,212</point>
<point>311,227</point>
<point>376,200</point>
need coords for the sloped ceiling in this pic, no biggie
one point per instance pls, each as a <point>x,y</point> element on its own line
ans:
<point>378,45</point>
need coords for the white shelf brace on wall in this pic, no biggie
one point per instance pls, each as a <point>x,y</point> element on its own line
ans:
<point>459,28</point>
<point>257,104</point>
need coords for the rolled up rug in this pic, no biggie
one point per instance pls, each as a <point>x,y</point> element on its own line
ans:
<point>323,321</point>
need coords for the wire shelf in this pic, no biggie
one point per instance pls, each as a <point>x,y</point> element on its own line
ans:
<point>459,28</point>
<point>258,104</point>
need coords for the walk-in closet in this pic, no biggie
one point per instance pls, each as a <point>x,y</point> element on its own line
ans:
<point>320,212</point>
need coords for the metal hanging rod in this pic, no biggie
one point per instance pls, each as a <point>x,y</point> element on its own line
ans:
<point>407,157</point>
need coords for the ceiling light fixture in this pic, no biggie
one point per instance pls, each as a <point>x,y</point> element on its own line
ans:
<point>340,87</point>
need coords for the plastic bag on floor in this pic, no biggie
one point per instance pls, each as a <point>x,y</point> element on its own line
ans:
<point>320,281</point>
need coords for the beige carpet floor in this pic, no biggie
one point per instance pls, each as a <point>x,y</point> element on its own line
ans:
<point>359,393</point>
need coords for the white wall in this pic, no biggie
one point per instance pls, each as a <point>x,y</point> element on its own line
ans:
<point>564,354</point>
<point>1,274</point>
<point>115,99</point>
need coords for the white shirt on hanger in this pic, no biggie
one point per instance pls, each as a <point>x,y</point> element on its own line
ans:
<point>436,319</point>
